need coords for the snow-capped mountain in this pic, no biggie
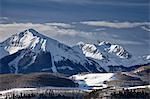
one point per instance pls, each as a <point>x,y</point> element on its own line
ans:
<point>30,51</point>
<point>101,50</point>
<point>110,56</point>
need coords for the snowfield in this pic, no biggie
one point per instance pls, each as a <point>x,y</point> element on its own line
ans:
<point>138,87</point>
<point>17,90</point>
<point>93,80</point>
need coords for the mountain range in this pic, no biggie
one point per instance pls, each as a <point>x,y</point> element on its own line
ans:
<point>30,51</point>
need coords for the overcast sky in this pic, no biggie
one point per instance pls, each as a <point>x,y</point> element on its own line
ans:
<point>124,22</point>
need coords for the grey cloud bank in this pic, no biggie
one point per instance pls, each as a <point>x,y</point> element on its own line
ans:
<point>115,24</point>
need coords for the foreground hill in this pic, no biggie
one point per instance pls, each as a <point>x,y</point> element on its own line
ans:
<point>143,72</point>
<point>9,81</point>
<point>30,51</point>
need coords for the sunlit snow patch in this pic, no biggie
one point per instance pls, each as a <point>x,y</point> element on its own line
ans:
<point>93,80</point>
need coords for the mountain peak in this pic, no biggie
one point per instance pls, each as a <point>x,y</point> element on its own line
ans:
<point>31,32</point>
<point>29,38</point>
<point>34,32</point>
<point>80,44</point>
<point>104,43</point>
<point>102,50</point>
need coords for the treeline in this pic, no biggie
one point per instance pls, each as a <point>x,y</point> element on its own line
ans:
<point>126,94</point>
<point>46,94</point>
<point>141,93</point>
<point>42,96</point>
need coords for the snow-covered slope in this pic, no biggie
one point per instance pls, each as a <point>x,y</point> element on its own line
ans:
<point>90,50</point>
<point>92,80</point>
<point>103,80</point>
<point>114,49</point>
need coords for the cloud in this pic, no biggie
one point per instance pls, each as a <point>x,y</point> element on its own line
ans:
<point>84,2</point>
<point>110,2</point>
<point>3,20</point>
<point>117,25</point>
<point>100,29</point>
<point>48,29</point>
<point>63,25</point>
<point>125,42</point>
<point>146,28</point>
